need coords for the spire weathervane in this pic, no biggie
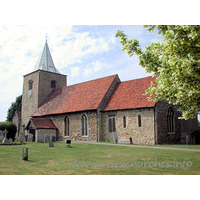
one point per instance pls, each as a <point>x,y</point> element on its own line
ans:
<point>46,37</point>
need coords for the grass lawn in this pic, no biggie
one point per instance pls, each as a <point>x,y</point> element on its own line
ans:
<point>105,159</point>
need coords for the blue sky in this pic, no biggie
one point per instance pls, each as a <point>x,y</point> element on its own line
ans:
<point>83,52</point>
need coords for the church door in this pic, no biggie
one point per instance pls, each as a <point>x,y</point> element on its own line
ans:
<point>32,131</point>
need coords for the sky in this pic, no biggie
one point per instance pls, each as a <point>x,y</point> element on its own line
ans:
<point>83,52</point>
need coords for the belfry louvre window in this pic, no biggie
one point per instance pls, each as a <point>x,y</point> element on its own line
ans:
<point>111,124</point>
<point>66,126</point>
<point>30,85</point>
<point>53,84</point>
<point>84,125</point>
<point>170,120</point>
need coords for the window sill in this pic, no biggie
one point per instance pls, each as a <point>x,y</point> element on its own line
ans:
<point>171,133</point>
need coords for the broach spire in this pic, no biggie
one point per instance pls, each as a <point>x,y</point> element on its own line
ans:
<point>45,61</point>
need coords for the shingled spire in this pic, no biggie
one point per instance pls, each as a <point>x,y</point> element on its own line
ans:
<point>45,61</point>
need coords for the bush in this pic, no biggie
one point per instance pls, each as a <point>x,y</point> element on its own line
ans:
<point>10,127</point>
<point>196,135</point>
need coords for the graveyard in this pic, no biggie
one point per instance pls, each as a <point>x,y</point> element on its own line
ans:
<point>80,158</point>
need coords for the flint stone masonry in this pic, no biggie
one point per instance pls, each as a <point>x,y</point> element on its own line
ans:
<point>40,136</point>
<point>30,137</point>
<point>139,135</point>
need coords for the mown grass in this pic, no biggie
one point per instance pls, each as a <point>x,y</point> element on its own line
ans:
<point>58,160</point>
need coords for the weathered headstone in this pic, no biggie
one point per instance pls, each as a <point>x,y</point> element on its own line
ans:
<point>1,138</point>
<point>115,138</point>
<point>5,141</point>
<point>124,141</point>
<point>25,154</point>
<point>1,133</point>
<point>187,139</point>
<point>21,137</point>
<point>40,136</point>
<point>10,140</point>
<point>53,137</point>
<point>51,144</point>
<point>47,138</point>
<point>30,137</point>
<point>5,133</point>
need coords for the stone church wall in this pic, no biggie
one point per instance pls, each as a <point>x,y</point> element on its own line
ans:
<point>181,127</point>
<point>75,126</point>
<point>139,135</point>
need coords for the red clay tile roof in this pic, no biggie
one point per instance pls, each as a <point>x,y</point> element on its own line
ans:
<point>79,97</point>
<point>129,94</point>
<point>43,123</point>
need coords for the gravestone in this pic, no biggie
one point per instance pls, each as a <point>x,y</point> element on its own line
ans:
<point>10,140</point>
<point>124,141</point>
<point>1,133</point>
<point>1,138</point>
<point>5,141</point>
<point>21,137</point>
<point>30,137</point>
<point>47,138</point>
<point>115,138</point>
<point>68,143</point>
<point>51,144</point>
<point>187,139</point>
<point>53,137</point>
<point>40,136</point>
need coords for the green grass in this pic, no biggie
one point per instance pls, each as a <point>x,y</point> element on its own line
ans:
<point>58,159</point>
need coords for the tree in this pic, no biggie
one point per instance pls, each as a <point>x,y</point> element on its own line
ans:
<point>15,106</point>
<point>175,61</point>
<point>10,127</point>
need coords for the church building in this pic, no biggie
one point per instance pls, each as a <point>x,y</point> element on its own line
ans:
<point>103,109</point>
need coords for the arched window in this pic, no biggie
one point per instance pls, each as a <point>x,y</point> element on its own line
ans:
<point>170,120</point>
<point>30,85</point>
<point>112,126</point>
<point>53,84</point>
<point>84,125</point>
<point>139,121</point>
<point>66,126</point>
<point>124,121</point>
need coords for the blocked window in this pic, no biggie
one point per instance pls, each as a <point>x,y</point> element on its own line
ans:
<point>111,124</point>
<point>139,121</point>
<point>84,122</point>
<point>67,126</point>
<point>170,120</point>
<point>30,85</point>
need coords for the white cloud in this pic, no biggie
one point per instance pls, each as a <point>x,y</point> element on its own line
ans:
<point>75,71</point>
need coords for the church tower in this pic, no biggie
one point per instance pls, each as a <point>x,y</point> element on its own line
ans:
<point>39,84</point>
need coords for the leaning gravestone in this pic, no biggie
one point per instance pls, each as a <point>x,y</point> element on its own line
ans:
<point>47,138</point>
<point>30,137</point>
<point>40,136</point>
<point>5,141</point>
<point>21,137</point>
<point>53,137</point>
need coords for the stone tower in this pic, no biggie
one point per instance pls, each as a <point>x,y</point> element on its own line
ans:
<point>39,84</point>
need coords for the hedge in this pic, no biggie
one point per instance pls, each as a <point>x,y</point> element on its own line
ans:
<point>10,127</point>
